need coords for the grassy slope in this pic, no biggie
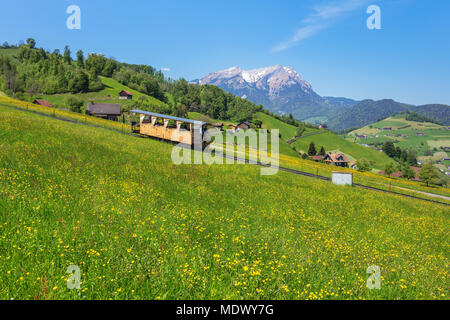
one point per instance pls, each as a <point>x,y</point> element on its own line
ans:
<point>434,136</point>
<point>333,142</point>
<point>287,132</point>
<point>109,94</point>
<point>286,159</point>
<point>141,227</point>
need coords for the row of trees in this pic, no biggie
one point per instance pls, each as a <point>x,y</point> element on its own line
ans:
<point>212,101</point>
<point>401,155</point>
<point>312,151</point>
<point>35,71</point>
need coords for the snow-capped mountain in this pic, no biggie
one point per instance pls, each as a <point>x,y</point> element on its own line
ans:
<point>278,88</point>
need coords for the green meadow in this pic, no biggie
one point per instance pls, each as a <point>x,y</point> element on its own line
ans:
<point>140,227</point>
<point>335,143</point>
<point>434,136</point>
<point>110,94</point>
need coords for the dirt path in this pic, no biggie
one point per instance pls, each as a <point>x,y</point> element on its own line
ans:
<point>433,195</point>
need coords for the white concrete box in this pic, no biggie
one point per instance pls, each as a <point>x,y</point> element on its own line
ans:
<point>342,178</point>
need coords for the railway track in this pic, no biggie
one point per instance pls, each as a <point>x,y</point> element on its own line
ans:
<point>293,171</point>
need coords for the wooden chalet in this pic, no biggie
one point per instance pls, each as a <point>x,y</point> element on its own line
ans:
<point>125,95</point>
<point>170,128</point>
<point>110,111</point>
<point>337,159</point>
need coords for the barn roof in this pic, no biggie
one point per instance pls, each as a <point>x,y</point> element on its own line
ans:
<point>164,116</point>
<point>42,103</point>
<point>126,92</point>
<point>103,108</point>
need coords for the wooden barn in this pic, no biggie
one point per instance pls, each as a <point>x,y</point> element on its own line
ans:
<point>170,128</point>
<point>125,94</point>
<point>110,111</point>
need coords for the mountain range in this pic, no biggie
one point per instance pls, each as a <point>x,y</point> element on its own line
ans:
<point>282,90</point>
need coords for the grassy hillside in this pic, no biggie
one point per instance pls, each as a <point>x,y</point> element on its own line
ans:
<point>332,142</point>
<point>139,226</point>
<point>404,135</point>
<point>110,94</point>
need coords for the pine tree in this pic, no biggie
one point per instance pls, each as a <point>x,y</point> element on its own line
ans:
<point>312,149</point>
<point>322,151</point>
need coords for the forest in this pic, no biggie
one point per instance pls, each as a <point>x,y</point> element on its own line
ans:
<point>33,71</point>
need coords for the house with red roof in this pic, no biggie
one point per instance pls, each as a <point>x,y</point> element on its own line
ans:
<point>337,159</point>
<point>43,103</point>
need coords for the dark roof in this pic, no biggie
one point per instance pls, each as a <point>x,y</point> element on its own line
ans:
<point>103,108</point>
<point>164,116</point>
<point>42,103</point>
<point>128,93</point>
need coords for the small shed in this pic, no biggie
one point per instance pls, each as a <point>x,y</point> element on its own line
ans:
<point>125,95</point>
<point>342,178</point>
<point>244,125</point>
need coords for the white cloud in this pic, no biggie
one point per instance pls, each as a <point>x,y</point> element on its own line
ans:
<point>165,69</point>
<point>321,18</point>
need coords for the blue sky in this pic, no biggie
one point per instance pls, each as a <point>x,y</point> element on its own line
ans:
<point>326,41</point>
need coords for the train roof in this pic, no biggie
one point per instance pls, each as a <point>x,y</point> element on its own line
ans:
<point>164,116</point>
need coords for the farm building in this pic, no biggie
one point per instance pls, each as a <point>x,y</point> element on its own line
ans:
<point>218,125</point>
<point>387,128</point>
<point>170,128</point>
<point>125,95</point>
<point>110,111</point>
<point>421,134</point>
<point>337,159</point>
<point>323,126</point>
<point>317,158</point>
<point>244,125</point>
<point>43,103</point>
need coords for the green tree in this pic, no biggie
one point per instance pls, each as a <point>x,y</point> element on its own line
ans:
<point>389,149</point>
<point>74,104</point>
<point>428,173</point>
<point>412,158</point>
<point>322,151</point>
<point>389,169</point>
<point>67,55</point>
<point>31,43</point>
<point>363,165</point>
<point>407,172</point>
<point>80,59</point>
<point>312,149</point>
